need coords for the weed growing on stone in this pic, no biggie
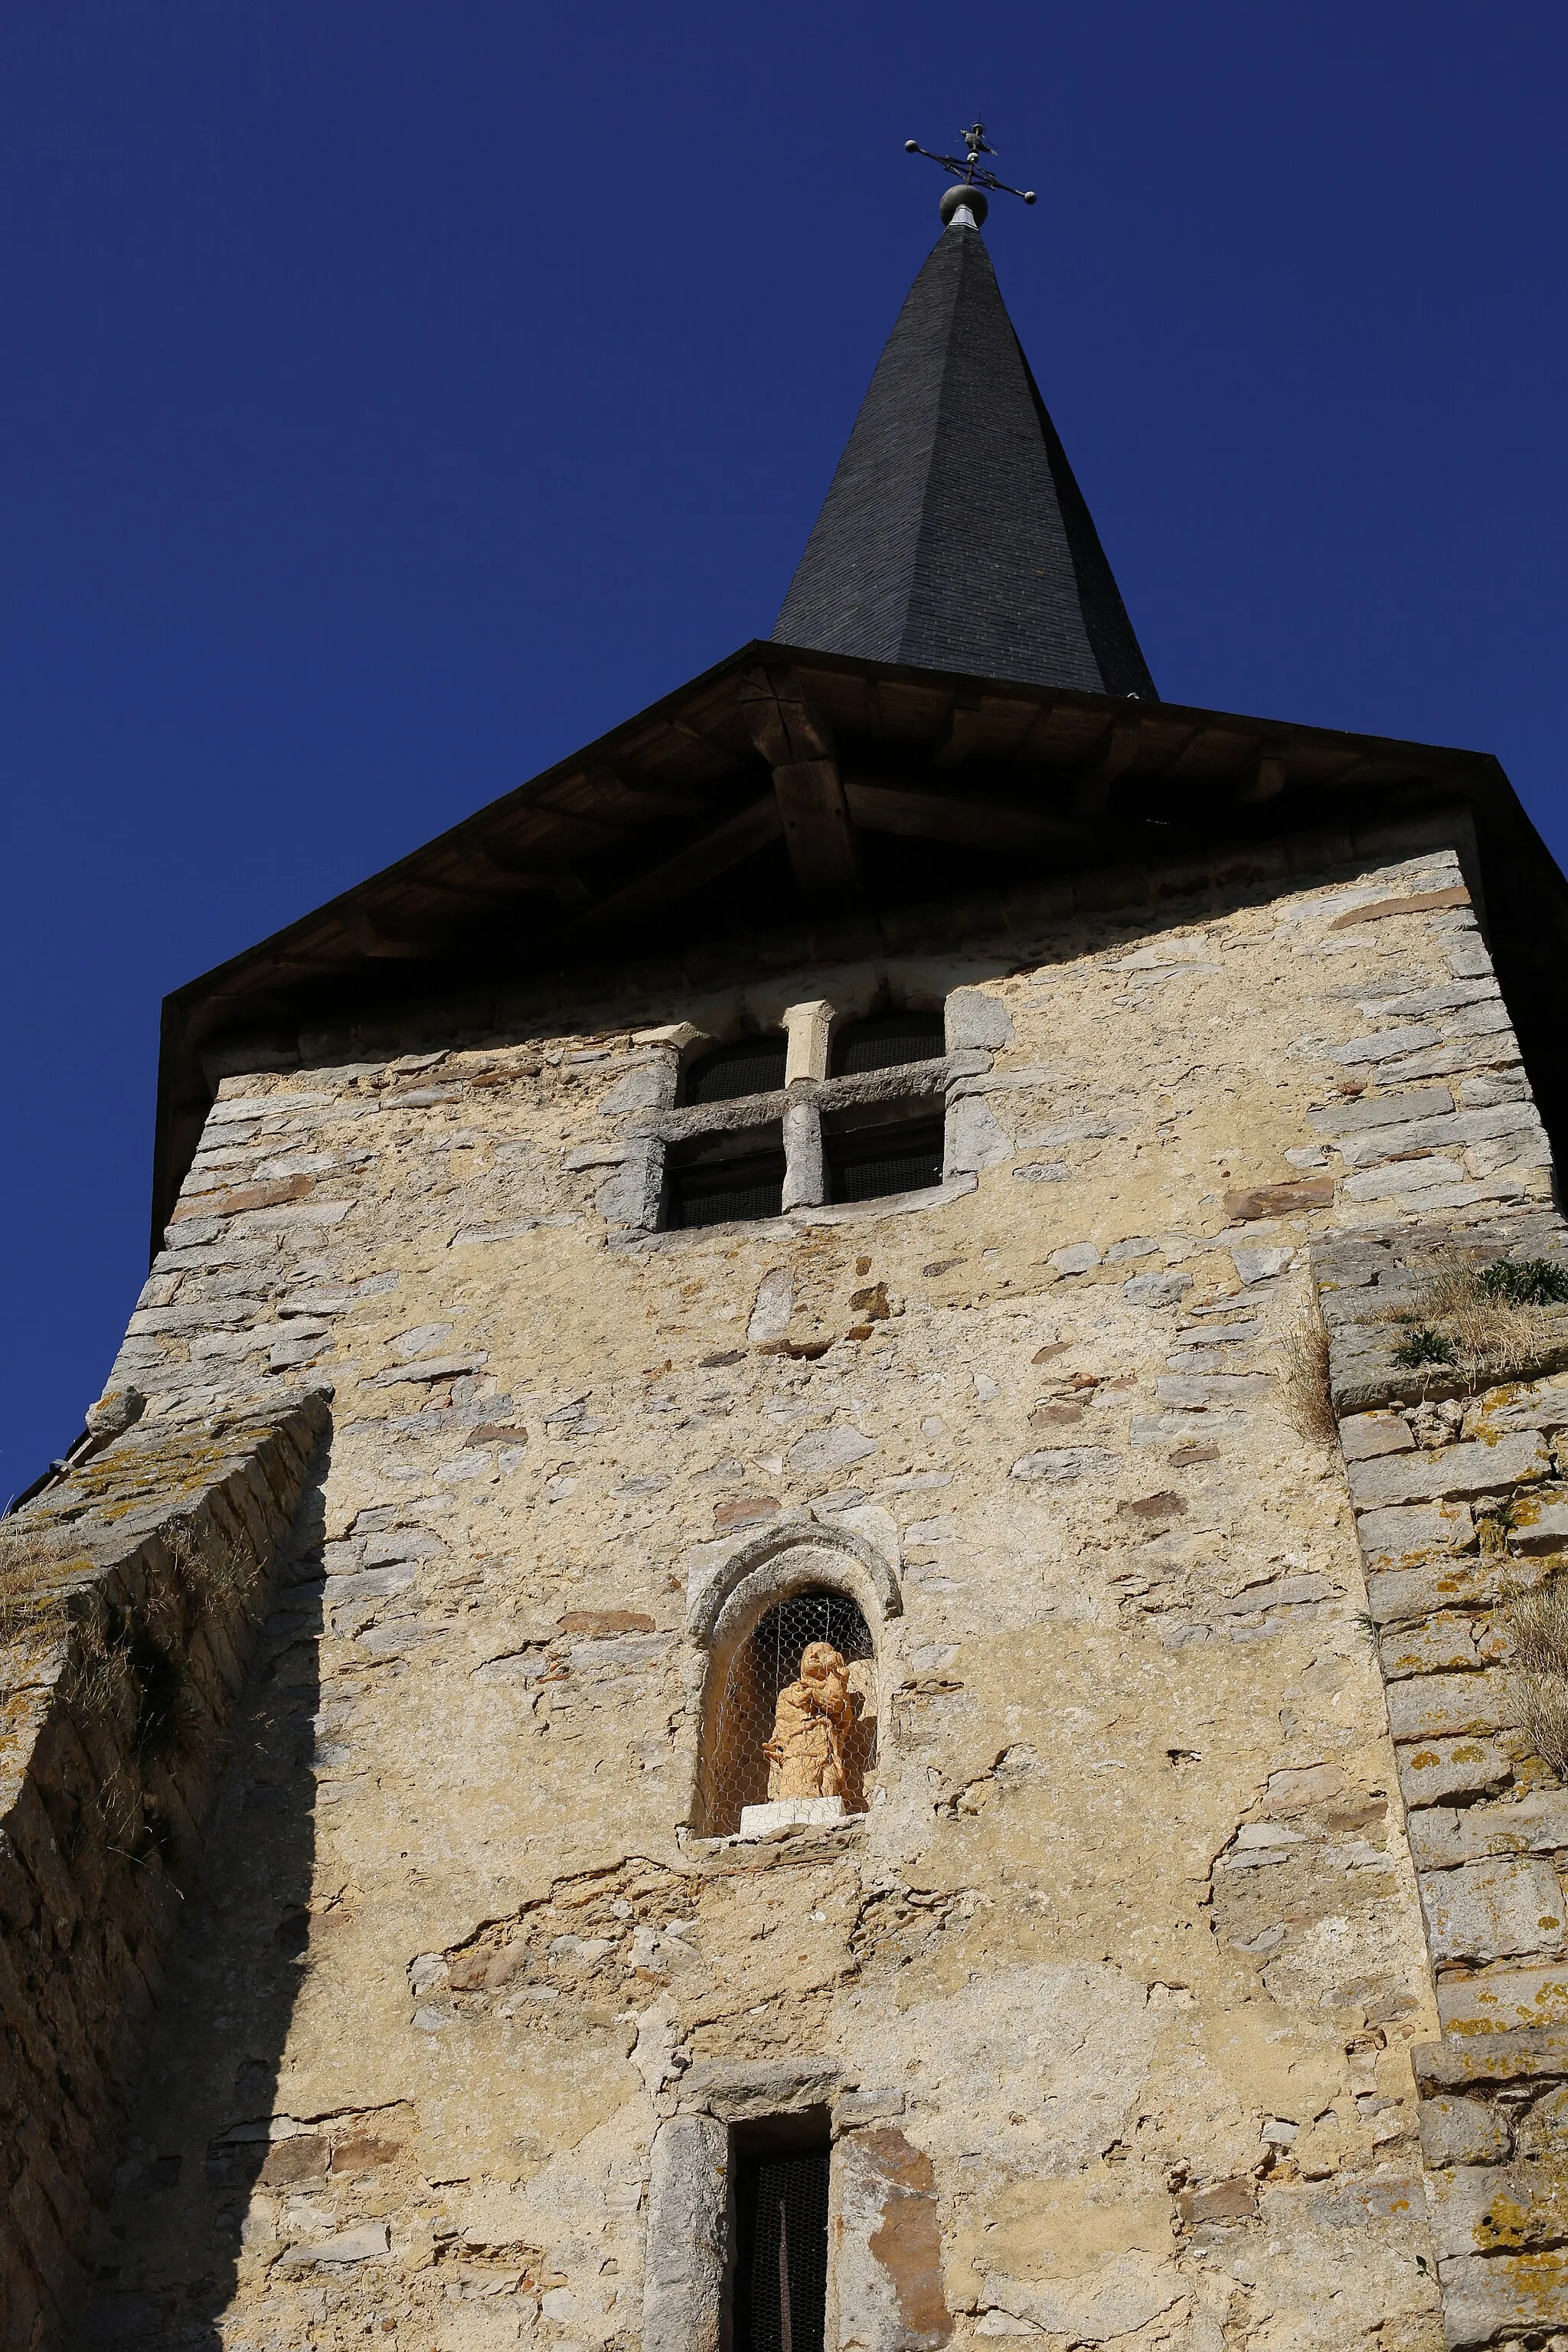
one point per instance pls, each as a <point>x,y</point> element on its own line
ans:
<point>1307,1399</point>
<point>1491,1532</point>
<point>1423,1348</point>
<point>1537,1623</point>
<point>1488,1323</point>
<point>1526,1282</point>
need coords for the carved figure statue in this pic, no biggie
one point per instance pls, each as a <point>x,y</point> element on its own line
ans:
<point>810,1752</point>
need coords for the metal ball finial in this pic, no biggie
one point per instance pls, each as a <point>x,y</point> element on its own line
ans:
<point>963,199</point>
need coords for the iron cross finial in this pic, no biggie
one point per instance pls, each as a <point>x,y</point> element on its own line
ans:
<point>969,170</point>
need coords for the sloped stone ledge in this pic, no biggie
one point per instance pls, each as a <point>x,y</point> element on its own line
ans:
<point>1367,1279</point>
<point>130,1598</point>
<point>1494,2133</point>
<point>1461,1495</point>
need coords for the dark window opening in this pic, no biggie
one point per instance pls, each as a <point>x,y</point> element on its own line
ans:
<point>754,1066</point>
<point>781,2171</point>
<point>866,1163</point>
<point>884,1043</point>
<point>722,1177</point>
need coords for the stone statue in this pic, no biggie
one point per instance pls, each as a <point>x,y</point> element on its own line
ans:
<point>812,1750</point>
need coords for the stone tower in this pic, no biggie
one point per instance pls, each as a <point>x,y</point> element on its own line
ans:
<point>815,1605</point>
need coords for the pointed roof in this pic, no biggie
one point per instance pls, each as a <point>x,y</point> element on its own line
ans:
<point>953,536</point>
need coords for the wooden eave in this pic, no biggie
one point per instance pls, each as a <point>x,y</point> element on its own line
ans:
<point>785,781</point>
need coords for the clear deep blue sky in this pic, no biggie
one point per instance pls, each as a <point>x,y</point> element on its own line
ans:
<point>397,396</point>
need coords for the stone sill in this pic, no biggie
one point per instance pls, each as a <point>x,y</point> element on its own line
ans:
<point>845,1212</point>
<point>785,1842</point>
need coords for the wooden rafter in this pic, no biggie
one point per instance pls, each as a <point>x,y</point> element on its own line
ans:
<point>700,861</point>
<point>935,817</point>
<point>1265,780</point>
<point>1117,750</point>
<point>965,723</point>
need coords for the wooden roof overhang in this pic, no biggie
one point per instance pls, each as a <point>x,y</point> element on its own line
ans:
<point>786,782</point>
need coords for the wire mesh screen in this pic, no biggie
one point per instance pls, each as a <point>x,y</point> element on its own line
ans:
<point>871,1164</point>
<point>701,1198</point>
<point>716,1180</point>
<point>758,1748</point>
<point>756,1066</point>
<point>781,2267</point>
<point>884,1043</point>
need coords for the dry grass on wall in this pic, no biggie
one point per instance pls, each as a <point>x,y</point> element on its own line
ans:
<point>34,1560</point>
<point>1537,1626</point>
<point>1308,1398</point>
<point>213,1568</point>
<point>125,1668</point>
<point>1484,1323</point>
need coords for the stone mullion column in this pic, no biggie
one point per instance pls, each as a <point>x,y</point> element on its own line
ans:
<point>806,1175</point>
<point>809,1028</point>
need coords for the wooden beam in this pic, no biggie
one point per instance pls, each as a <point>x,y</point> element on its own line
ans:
<point>611,796</point>
<point>797,745</point>
<point>965,723</point>
<point>978,825</point>
<point>779,720</point>
<point>683,732</point>
<point>581,835</point>
<point>700,861</point>
<point>1197,755</point>
<point>489,859</point>
<point>1091,795</point>
<point>1265,783</point>
<point>376,935</point>
<point>817,828</point>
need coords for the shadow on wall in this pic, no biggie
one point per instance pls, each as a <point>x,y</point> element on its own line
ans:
<point>166,2253</point>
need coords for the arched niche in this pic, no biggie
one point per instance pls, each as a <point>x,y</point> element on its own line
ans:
<point>794,1571</point>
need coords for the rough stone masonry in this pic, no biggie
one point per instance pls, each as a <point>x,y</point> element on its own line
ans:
<point>1195,1977</point>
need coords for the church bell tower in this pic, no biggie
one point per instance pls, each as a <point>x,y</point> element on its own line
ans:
<point>817,1605</point>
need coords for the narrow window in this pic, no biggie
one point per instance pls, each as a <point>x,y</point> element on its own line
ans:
<point>717,1179</point>
<point>867,1159</point>
<point>886,1043</point>
<point>781,2173</point>
<point>754,1066</point>
<point>771,1741</point>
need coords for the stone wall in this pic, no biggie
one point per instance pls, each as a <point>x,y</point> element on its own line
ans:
<point>1114,1991</point>
<point>130,1594</point>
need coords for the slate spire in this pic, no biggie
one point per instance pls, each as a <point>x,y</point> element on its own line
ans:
<point>953,535</point>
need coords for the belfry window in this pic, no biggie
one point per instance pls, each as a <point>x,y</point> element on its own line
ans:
<point>781,2174</point>
<point>754,1066</point>
<point>887,1043</point>
<point>867,1159</point>
<point>719,1178</point>
<point>788,1122</point>
<point>794,1722</point>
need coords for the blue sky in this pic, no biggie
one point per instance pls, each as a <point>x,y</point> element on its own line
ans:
<point>397,396</point>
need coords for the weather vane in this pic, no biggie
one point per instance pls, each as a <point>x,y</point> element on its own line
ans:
<point>972,176</point>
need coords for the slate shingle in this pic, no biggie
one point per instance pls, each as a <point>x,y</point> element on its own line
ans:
<point>953,535</point>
